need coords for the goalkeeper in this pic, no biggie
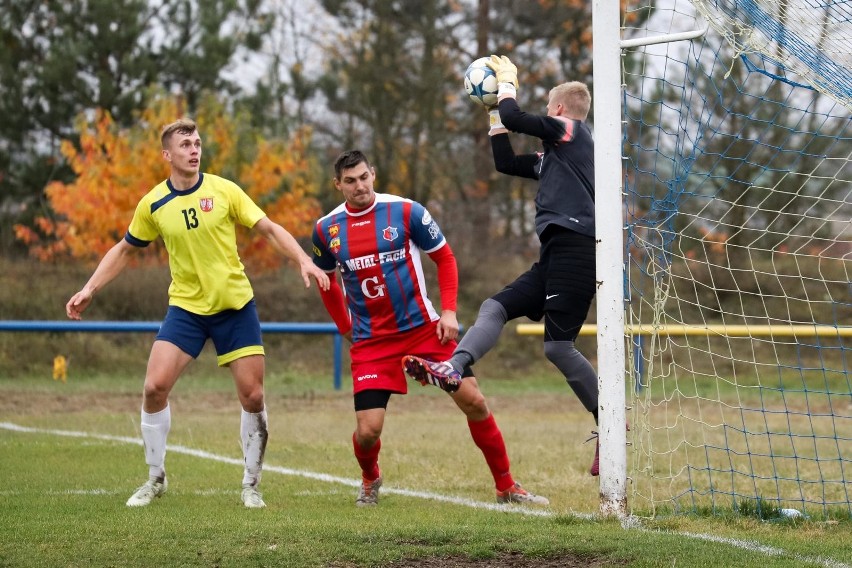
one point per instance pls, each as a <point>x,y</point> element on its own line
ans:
<point>561,285</point>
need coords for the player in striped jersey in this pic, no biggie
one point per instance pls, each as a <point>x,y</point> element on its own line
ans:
<point>375,240</point>
<point>209,297</point>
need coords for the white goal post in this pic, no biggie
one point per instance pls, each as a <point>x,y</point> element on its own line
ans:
<point>609,225</point>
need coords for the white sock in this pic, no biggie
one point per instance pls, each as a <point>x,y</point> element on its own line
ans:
<point>253,433</point>
<point>155,429</point>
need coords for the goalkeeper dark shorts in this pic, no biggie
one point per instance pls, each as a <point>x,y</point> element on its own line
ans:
<point>559,287</point>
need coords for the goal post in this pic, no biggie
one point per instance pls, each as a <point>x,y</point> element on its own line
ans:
<point>609,257</point>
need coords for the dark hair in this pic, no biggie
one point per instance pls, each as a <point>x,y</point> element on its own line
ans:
<point>349,159</point>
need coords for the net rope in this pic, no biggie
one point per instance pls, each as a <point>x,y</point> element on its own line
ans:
<point>738,206</point>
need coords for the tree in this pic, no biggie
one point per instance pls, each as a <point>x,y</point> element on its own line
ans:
<point>382,75</point>
<point>389,77</point>
<point>61,58</point>
<point>116,166</point>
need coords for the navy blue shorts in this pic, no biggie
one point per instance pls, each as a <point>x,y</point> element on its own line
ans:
<point>235,333</point>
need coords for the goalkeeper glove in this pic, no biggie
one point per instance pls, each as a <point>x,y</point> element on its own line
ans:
<point>507,74</point>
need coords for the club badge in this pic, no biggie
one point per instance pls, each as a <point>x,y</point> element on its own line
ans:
<point>390,234</point>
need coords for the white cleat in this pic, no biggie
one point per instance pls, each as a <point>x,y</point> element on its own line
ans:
<point>517,494</point>
<point>252,498</point>
<point>368,494</point>
<point>154,487</point>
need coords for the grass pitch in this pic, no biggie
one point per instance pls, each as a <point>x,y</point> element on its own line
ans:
<point>63,495</point>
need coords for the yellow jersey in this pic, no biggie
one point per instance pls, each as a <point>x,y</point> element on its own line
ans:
<point>198,227</point>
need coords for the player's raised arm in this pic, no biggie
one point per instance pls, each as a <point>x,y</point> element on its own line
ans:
<point>111,265</point>
<point>284,243</point>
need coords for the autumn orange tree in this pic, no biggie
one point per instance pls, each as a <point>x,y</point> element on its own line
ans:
<point>116,167</point>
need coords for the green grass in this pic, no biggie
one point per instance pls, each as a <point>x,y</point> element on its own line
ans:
<point>62,500</point>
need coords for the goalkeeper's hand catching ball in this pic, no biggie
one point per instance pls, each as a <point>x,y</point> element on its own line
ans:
<point>507,73</point>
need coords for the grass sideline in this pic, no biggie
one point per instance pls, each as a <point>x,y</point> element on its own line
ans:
<point>63,497</point>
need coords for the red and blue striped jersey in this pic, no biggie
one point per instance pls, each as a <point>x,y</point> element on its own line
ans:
<point>377,251</point>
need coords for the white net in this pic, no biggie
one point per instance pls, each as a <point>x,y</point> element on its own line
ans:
<point>739,232</point>
<point>805,38</point>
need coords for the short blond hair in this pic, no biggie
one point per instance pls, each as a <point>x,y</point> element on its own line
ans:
<point>574,96</point>
<point>183,126</point>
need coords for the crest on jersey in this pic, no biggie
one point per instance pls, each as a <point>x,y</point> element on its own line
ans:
<point>390,234</point>
<point>434,231</point>
<point>206,204</point>
<point>333,230</point>
<point>334,245</point>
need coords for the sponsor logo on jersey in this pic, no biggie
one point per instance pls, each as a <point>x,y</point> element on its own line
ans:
<point>206,204</point>
<point>390,234</point>
<point>333,230</point>
<point>361,223</point>
<point>334,245</point>
<point>391,256</point>
<point>434,230</point>
<point>317,251</point>
<point>371,288</point>
<point>371,260</point>
<point>361,262</point>
<point>427,218</point>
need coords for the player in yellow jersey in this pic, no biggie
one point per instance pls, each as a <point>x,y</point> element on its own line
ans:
<point>209,297</point>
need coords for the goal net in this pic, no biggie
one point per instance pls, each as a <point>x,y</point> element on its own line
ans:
<point>738,204</point>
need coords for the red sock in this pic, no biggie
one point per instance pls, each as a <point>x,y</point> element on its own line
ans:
<point>489,439</point>
<point>368,459</point>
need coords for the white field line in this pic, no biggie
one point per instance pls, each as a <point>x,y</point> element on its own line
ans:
<point>633,522</point>
<point>287,471</point>
<point>768,550</point>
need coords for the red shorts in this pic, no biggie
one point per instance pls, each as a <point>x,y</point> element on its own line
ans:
<point>377,362</point>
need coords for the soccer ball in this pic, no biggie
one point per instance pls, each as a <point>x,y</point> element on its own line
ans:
<point>480,83</point>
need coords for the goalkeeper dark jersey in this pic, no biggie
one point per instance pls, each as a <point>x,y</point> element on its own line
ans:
<point>565,169</point>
